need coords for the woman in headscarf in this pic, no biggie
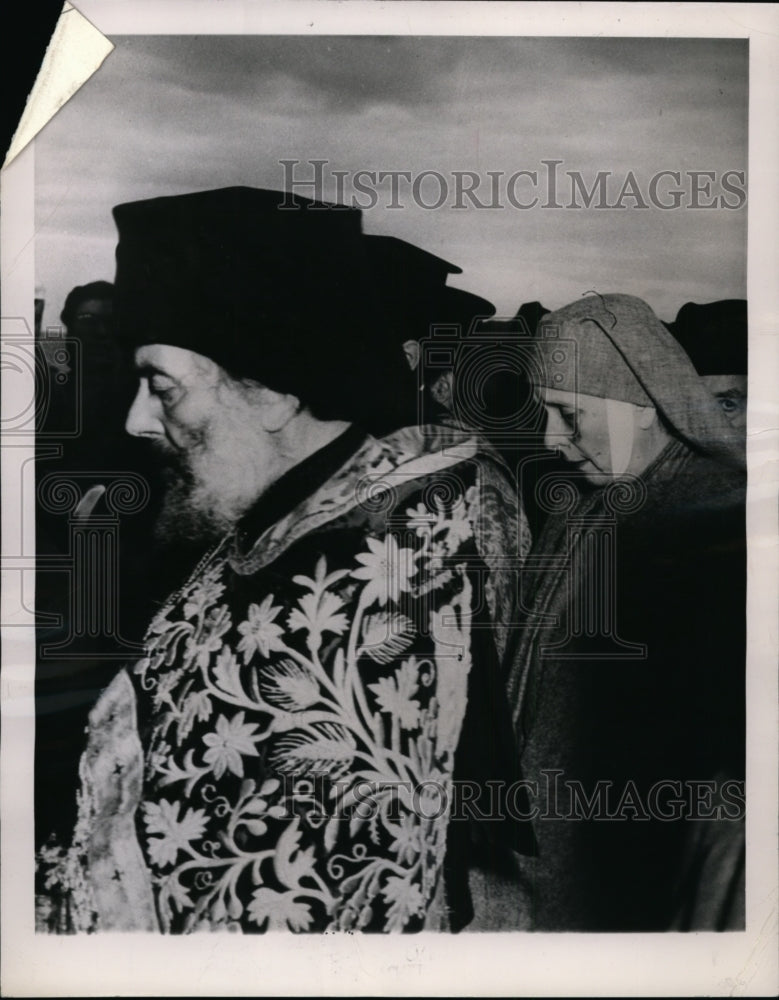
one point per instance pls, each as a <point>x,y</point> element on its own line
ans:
<point>627,682</point>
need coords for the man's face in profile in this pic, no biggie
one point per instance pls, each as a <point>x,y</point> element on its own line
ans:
<point>196,418</point>
<point>731,393</point>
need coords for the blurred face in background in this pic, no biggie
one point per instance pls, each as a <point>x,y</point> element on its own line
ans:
<point>731,393</point>
<point>92,318</point>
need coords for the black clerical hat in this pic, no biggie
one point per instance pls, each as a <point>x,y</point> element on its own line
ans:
<point>714,336</point>
<point>271,286</point>
<point>412,284</point>
<point>531,314</point>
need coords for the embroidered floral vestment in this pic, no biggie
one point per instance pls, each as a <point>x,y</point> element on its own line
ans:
<point>301,700</point>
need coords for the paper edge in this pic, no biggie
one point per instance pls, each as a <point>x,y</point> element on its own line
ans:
<point>759,953</point>
<point>76,51</point>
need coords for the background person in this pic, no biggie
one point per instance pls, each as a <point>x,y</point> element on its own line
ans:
<point>715,337</point>
<point>630,670</point>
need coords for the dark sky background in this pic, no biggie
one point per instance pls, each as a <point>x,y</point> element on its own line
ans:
<point>167,114</point>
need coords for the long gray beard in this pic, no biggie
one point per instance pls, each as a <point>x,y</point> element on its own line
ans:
<point>189,518</point>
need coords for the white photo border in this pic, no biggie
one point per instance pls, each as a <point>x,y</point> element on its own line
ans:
<point>476,964</point>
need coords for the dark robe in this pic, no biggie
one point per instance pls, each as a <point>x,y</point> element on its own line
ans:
<point>655,694</point>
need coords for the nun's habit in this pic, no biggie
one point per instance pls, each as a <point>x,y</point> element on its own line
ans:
<point>627,683</point>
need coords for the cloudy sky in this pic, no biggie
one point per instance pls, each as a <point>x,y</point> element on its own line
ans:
<point>168,114</point>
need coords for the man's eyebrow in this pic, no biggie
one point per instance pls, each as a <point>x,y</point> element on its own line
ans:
<point>731,393</point>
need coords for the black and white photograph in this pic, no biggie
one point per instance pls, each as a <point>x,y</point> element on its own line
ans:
<point>389,502</point>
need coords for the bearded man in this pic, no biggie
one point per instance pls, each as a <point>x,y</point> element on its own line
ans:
<point>285,753</point>
<point>628,683</point>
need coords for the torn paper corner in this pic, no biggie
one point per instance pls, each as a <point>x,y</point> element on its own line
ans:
<point>76,51</point>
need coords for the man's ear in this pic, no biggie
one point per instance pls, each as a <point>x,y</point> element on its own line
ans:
<point>411,350</point>
<point>275,409</point>
<point>646,416</point>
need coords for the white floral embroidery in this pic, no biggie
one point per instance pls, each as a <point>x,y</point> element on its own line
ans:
<point>174,834</point>
<point>229,744</point>
<point>387,569</point>
<point>386,636</point>
<point>279,910</point>
<point>320,610</point>
<point>264,688</point>
<point>395,695</point>
<point>260,632</point>
<point>420,519</point>
<point>356,673</point>
<point>290,686</point>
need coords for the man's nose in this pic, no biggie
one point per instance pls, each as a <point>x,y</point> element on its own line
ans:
<point>141,419</point>
<point>557,431</point>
